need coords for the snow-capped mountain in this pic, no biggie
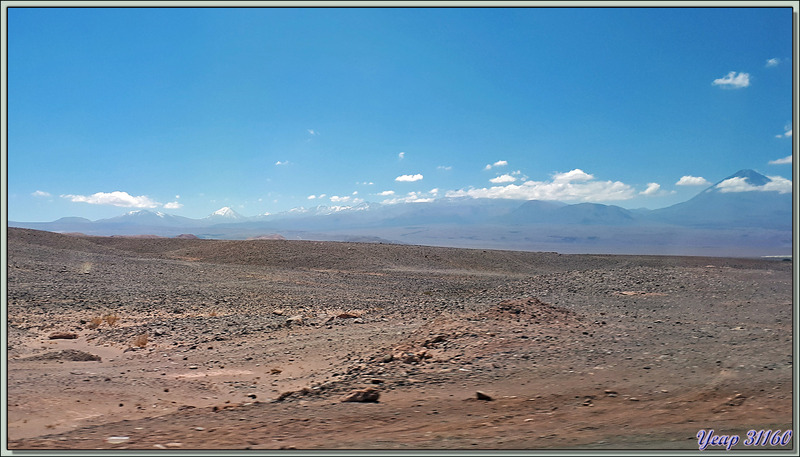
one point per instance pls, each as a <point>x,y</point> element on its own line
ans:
<point>321,210</point>
<point>743,199</point>
<point>148,218</point>
<point>225,213</point>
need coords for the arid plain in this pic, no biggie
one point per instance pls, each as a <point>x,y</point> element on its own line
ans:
<point>130,343</point>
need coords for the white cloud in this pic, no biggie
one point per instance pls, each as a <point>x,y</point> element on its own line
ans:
<point>499,163</point>
<point>689,180</point>
<point>652,188</point>
<point>411,197</point>
<point>311,197</point>
<point>503,179</point>
<point>365,183</point>
<point>285,162</point>
<point>409,178</point>
<point>740,184</point>
<point>173,205</point>
<point>312,132</point>
<point>733,80</point>
<point>572,175</point>
<point>773,62</point>
<point>783,161</point>
<point>434,191</point>
<point>736,184</point>
<point>116,198</point>
<point>402,155</point>
<point>345,199</point>
<point>787,133</point>
<point>518,174</point>
<point>572,185</point>
<point>177,197</point>
<point>386,193</point>
<point>40,193</point>
<point>778,184</point>
<point>445,168</point>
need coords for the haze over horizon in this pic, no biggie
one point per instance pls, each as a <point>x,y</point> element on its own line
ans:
<point>188,110</point>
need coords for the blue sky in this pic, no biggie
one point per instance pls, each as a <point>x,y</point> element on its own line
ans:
<point>187,110</point>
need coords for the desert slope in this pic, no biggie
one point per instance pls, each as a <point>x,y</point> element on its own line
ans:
<point>253,344</point>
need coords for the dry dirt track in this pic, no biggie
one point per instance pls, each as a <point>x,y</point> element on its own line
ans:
<point>253,344</point>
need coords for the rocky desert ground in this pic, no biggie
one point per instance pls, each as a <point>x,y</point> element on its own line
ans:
<point>190,344</point>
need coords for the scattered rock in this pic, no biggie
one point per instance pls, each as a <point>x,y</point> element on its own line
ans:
<point>432,341</point>
<point>117,439</point>
<point>72,355</point>
<point>298,319</point>
<point>362,396</point>
<point>480,395</point>
<point>347,316</point>
<point>412,357</point>
<point>531,310</point>
<point>736,400</point>
<point>304,391</point>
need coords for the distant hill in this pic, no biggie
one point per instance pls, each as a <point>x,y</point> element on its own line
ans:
<point>144,237</point>
<point>273,236</point>
<point>541,212</point>
<point>744,214</point>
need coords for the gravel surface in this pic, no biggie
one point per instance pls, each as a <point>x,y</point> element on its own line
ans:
<point>209,344</point>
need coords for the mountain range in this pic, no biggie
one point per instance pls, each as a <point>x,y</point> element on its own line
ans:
<point>756,221</point>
